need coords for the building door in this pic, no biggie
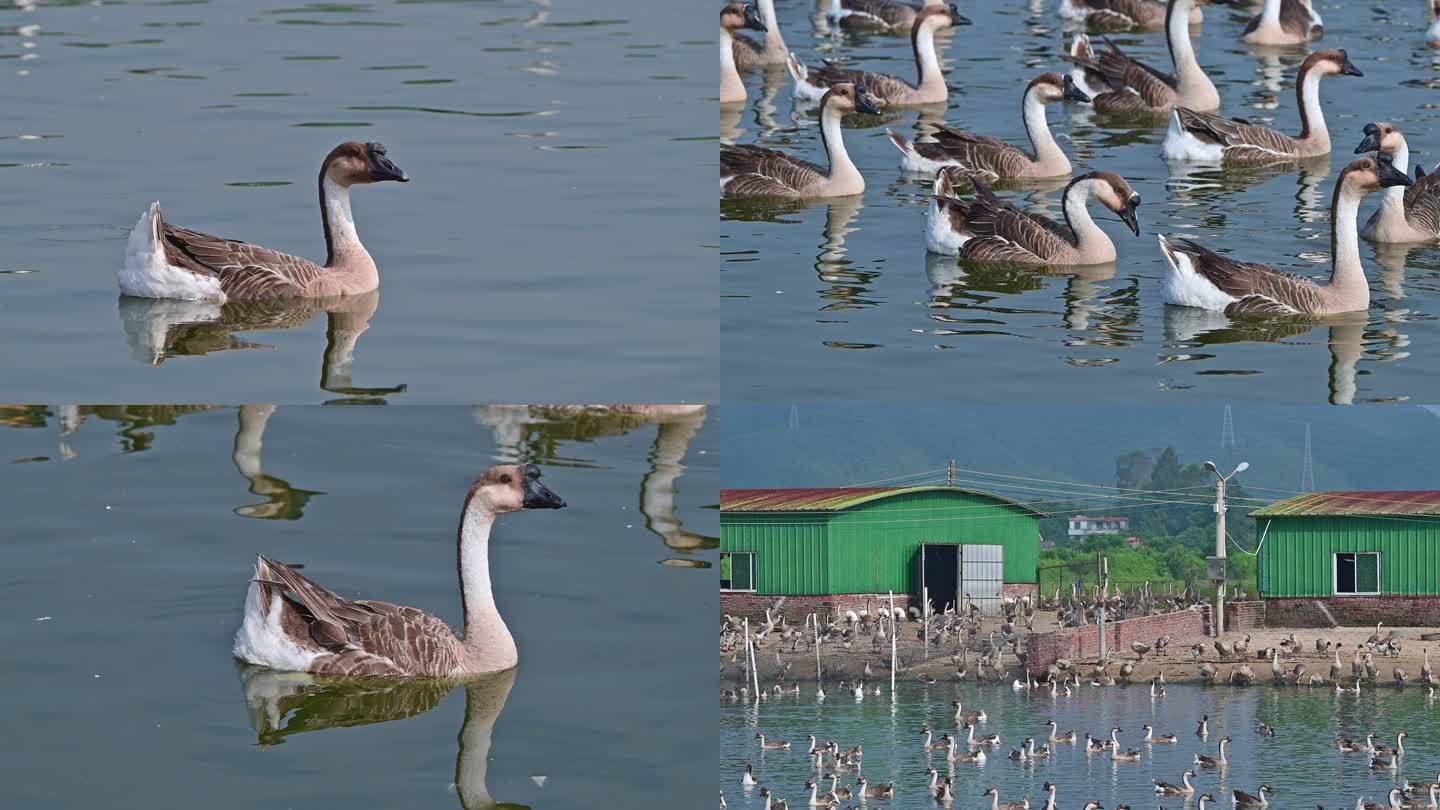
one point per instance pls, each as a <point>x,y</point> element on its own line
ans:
<point>940,574</point>
<point>982,576</point>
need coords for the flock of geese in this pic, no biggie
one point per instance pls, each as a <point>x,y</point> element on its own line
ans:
<point>982,227</point>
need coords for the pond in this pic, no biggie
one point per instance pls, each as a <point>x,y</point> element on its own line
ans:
<point>819,297</point>
<point>130,536</point>
<point>1301,762</point>
<point>509,259</point>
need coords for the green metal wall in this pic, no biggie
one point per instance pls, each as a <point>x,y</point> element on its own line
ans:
<point>1297,556</point>
<point>871,548</point>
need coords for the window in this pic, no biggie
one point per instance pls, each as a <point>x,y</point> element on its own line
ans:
<point>737,571</point>
<point>1357,573</point>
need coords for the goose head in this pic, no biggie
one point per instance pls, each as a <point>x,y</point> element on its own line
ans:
<point>1051,86</point>
<point>1330,62</point>
<point>1372,174</point>
<point>352,163</point>
<point>1115,193</point>
<point>510,488</point>
<point>1381,136</point>
<point>735,16</point>
<point>847,98</point>
<point>935,18</point>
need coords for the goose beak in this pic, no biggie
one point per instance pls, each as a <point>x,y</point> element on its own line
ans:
<point>1347,68</point>
<point>1389,175</point>
<point>956,18</point>
<point>381,168</point>
<point>753,20</point>
<point>537,495</point>
<point>1127,214</point>
<point>863,103</point>
<point>1073,93</point>
<point>1372,140</point>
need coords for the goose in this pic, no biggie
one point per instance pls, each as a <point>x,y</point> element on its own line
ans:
<point>972,718</point>
<point>1427,676</point>
<point>1114,15</point>
<point>991,159</point>
<point>892,15</point>
<point>1056,736</point>
<point>1124,756</point>
<point>987,229</point>
<point>1199,277</point>
<point>842,792</point>
<point>1399,749</point>
<point>1336,670</point>
<point>1205,797</point>
<point>888,90</point>
<point>1432,34</point>
<point>293,623</point>
<point>1152,737</point>
<point>1042,753</point>
<point>816,800</point>
<point>748,777</point>
<point>992,740</point>
<point>1123,85</point>
<point>747,170</point>
<point>1405,214</point>
<point>1049,790</point>
<point>1352,747</point>
<point>1168,789</point>
<point>1284,22</point>
<point>996,804</point>
<point>1204,136</point>
<point>733,17</point>
<point>773,745</point>
<point>1202,726</point>
<point>973,758</point>
<point>772,803</point>
<point>1394,802</point>
<point>940,746</point>
<point>749,54</point>
<point>167,261</point>
<point>1243,799</point>
<point>1422,786</point>
<point>1265,729</point>
<point>944,792</point>
<point>1157,686</point>
<point>1213,762</point>
<point>885,791</point>
<point>1377,763</point>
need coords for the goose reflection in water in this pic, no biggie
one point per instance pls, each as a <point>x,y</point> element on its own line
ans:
<point>159,329</point>
<point>282,501</point>
<point>281,704</point>
<point>537,433</point>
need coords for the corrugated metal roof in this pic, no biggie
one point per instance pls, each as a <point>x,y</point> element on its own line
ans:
<point>1357,502</point>
<point>832,499</point>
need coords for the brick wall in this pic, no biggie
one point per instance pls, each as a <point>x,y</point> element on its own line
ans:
<point>1242,616</point>
<point>1042,649</point>
<point>1397,611</point>
<point>1018,589</point>
<point>798,607</point>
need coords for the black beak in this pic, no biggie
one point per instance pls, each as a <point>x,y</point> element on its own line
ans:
<point>380,166</point>
<point>1127,214</point>
<point>957,18</point>
<point>753,21</point>
<point>1347,68</point>
<point>1389,175</point>
<point>537,495</point>
<point>863,103</point>
<point>1073,93</point>
<point>1372,140</point>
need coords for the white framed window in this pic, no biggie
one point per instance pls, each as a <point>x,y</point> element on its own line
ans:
<point>737,571</point>
<point>1357,573</point>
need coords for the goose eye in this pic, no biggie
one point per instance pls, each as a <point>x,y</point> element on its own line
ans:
<point>505,479</point>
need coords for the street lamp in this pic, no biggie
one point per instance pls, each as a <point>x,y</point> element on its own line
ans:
<point>1217,563</point>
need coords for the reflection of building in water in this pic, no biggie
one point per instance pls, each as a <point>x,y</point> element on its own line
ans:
<point>281,704</point>
<point>538,433</point>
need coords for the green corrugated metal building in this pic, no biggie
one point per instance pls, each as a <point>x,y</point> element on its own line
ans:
<point>1354,543</point>
<point>868,540</point>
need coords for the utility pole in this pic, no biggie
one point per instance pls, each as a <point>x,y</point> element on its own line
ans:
<point>1217,563</point>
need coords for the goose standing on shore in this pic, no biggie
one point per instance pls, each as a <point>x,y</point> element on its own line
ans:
<point>989,158</point>
<point>747,170</point>
<point>884,88</point>
<point>1120,84</point>
<point>1203,136</point>
<point>167,261</point>
<point>292,623</point>
<point>1405,214</point>
<point>987,229</point>
<point>1284,22</point>
<point>1119,15</point>
<point>734,17</point>
<point>1198,277</point>
<point>748,53</point>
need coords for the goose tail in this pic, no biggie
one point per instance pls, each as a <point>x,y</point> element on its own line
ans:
<point>147,272</point>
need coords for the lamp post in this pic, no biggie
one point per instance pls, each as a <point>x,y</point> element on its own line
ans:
<point>1217,563</point>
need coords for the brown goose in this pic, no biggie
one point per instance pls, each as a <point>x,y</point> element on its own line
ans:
<point>167,261</point>
<point>749,54</point>
<point>893,15</point>
<point>891,91</point>
<point>1124,85</point>
<point>1199,277</point>
<point>1195,135</point>
<point>747,170</point>
<point>986,229</point>
<point>1120,15</point>
<point>733,17</point>
<point>990,158</point>
<point>292,623</point>
<point>1256,799</point>
<point>1169,789</point>
<point>1405,214</point>
<point>1284,22</point>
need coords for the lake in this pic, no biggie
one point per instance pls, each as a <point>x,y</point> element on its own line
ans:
<point>1300,762</point>
<point>827,299</point>
<point>130,535</point>
<point>541,138</point>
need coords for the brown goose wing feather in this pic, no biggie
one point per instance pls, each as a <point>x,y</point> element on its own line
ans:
<point>1257,288</point>
<point>761,172</point>
<point>879,85</point>
<point>1422,203</point>
<point>1025,237</point>
<point>245,271</point>
<point>889,12</point>
<point>977,154</point>
<point>1246,141</point>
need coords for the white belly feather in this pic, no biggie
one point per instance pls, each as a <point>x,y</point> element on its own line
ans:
<point>1187,288</point>
<point>1181,145</point>
<point>261,639</point>
<point>940,237</point>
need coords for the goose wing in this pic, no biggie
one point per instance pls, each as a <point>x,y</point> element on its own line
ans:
<point>245,271</point>
<point>976,153</point>
<point>889,12</point>
<point>879,85</point>
<point>1242,140</point>
<point>1259,289</point>
<point>1113,14</point>
<point>1121,71</point>
<point>1422,203</point>
<point>747,52</point>
<point>364,637</point>
<point>1297,18</point>
<point>755,171</point>
<point>988,215</point>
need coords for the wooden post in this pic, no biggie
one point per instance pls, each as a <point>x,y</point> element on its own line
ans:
<point>818,685</point>
<point>893,655</point>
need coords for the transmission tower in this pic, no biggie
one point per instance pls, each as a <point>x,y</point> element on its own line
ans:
<point>1227,431</point>
<point>1307,472</point>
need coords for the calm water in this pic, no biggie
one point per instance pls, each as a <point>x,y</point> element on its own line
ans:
<point>818,298</point>
<point>1301,762</point>
<point>129,540</point>
<point>511,261</point>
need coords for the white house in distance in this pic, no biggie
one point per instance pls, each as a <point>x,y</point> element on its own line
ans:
<point>1084,525</point>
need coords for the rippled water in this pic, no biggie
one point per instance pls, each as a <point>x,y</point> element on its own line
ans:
<point>1300,762</point>
<point>538,135</point>
<point>130,534</point>
<point>819,298</point>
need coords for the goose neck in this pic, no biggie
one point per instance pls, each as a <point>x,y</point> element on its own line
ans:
<point>831,135</point>
<point>1195,88</point>
<point>1047,152</point>
<point>1270,15</point>
<point>927,60</point>
<point>773,39</point>
<point>1395,195</point>
<point>1346,273</point>
<point>1312,116</point>
<point>342,244</point>
<point>485,635</point>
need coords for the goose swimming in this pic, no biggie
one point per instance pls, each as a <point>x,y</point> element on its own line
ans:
<point>733,17</point>
<point>1204,761</point>
<point>1169,789</point>
<point>1405,214</point>
<point>1432,34</point>
<point>989,158</point>
<point>292,623</point>
<point>748,54</point>
<point>747,170</point>
<point>1120,84</point>
<point>167,261</point>
<point>1203,136</point>
<point>1118,15</point>
<point>1199,277</point>
<point>988,229</point>
<point>893,15</point>
<point>1257,799</point>
<point>812,82</point>
<point>1284,22</point>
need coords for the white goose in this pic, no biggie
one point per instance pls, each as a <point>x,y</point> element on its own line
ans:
<point>292,623</point>
<point>1405,214</point>
<point>733,17</point>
